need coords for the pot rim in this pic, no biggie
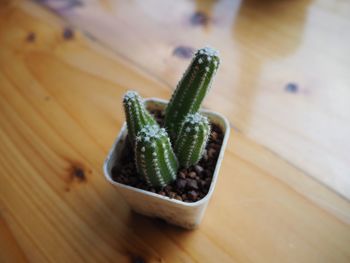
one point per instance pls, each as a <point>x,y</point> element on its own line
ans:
<point>200,202</point>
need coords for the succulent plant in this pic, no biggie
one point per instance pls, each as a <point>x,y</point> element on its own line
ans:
<point>136,114</point>
<point>191,89</point>
<point>154,157</point>
<point>192,139</point>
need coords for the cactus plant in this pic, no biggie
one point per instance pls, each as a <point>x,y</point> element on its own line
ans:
<point>154,157</point>
<point>191,89</point>
<point>136,114</point>
<point>192,139</point>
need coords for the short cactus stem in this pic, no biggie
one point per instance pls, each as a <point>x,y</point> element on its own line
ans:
<point>154,157</point>
<point>192,139</point>
<point>191,89</point>
<point>136,114</point>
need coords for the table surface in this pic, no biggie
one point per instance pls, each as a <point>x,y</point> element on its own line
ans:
<point>284,187</point>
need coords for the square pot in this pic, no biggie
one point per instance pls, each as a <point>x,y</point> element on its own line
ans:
<point>187,215</point>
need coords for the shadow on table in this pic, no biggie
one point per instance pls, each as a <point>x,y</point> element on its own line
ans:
<point>166,240</point>
<point>126,234</point>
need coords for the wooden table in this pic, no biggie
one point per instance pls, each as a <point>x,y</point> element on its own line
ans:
<point>284,188</point>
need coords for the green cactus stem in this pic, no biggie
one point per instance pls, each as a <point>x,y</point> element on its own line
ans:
<point>192,139</point>
<point>136,114</point>
<point>191,89</point>
<point>154,157</point>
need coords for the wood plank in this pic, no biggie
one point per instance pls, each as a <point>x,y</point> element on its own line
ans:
<point>60,111</point>
<point>284,78</point>
<point>10,251</point>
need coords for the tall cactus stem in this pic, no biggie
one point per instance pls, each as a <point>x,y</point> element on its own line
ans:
<point>191,89</point>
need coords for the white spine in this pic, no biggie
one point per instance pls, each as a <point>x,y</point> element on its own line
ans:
<point>167,161</point>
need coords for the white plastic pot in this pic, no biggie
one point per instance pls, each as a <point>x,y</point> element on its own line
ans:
<point>187,215</point>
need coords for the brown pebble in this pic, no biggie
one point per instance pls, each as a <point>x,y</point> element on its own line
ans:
<point>172,194</point>
<point>214,136</point>
<point>168,189</point>
<point>206,173</point>
<point>182,175</point>
<point>202,183</point>
<point>214,146</point>
<point>181,183</point>
<point>161,193</point>
<point>207,182</point>
<point>211,152</point>
<point>198,168</point>
<point>192,184</point>
<point>192,174</point>
<point>193,195</point>
<point>205,155</point>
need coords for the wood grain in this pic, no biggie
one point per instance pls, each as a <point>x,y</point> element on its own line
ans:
<point>267,46</point>
<point>60,111</point>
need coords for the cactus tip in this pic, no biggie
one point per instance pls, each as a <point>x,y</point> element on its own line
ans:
<point>150,132</point>
<point>209,51</point>
<point>196,118</point>
<point>131,95</point>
